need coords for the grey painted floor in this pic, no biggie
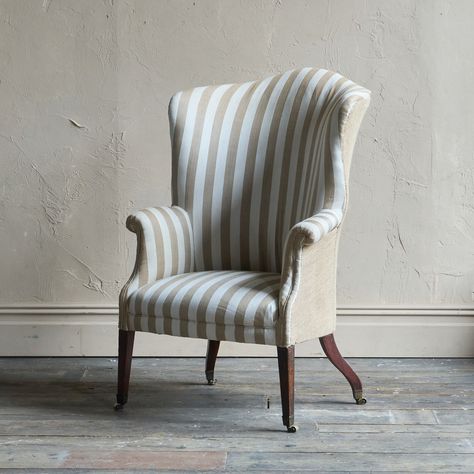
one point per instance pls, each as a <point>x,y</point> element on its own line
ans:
<point>56,415</point>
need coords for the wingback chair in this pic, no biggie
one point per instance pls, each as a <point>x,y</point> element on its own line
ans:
<point>248,250</point>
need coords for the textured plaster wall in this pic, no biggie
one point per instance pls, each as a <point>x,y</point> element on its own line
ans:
<point>84,88</point>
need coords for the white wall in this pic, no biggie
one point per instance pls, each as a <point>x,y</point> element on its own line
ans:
<point>111,66</point>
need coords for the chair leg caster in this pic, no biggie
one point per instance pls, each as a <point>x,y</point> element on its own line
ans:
<point>290,424</point>
<point>211,356</point>
<point>210,377</point>
<point>359,399</point>
<point>121,401</point>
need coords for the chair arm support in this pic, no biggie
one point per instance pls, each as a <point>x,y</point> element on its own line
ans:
<point>164,245</point>
<point>307,300</point>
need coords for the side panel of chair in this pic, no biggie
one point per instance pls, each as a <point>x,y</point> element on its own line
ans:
<point>313,311</point>
<point>350,120</point>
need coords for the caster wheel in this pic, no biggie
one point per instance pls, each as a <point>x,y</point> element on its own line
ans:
<point>292,429</point>
<point>361,401</point>
<point>210,377</point>
<point>118,407</point>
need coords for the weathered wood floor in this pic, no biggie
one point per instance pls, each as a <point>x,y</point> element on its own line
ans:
<point>56,414</point>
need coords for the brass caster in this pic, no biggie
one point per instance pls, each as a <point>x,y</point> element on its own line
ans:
<point>121,400</point>
<point>210,377</point>
<point>359,399</point>
<point>292,429</point>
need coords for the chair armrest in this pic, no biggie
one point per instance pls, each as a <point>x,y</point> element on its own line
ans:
<point>314,228</point>
<point>164,245</point>
<point>307,300</point>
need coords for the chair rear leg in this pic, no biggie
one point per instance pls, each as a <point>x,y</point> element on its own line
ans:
<point>126,339</point>
<point>286,367</point>
<point>332,352</point>
<point>211,356</point>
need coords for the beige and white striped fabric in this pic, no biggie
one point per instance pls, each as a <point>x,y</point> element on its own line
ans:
<point>252,164</point>
<point>251,160</point>
<point>219,305</point>
<point>165,242</point>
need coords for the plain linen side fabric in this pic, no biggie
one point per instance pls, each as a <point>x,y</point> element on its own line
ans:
<point>248,251</point>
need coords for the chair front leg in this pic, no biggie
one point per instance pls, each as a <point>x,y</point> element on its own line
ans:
<point>126,339</point>
<point>211,356</point>
<point>332,352</point>
<point>286,367</point>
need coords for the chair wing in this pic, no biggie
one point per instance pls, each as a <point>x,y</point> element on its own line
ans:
<point>307,298</point>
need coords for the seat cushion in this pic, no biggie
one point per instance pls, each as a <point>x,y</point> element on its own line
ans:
<point>223,305</point>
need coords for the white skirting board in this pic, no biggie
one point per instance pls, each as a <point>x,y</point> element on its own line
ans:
<point>72,330</point>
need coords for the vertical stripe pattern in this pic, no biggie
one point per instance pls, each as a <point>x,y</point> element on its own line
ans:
<point>225,305</point>
<point>251,160</point>
<point>165,242</point>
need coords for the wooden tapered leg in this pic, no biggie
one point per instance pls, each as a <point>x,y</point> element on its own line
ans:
<point>211,356</point>
<point>286,367</point>
<point>332,352</point>
<point>126,339</point>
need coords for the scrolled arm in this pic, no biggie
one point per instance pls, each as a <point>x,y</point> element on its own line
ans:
<point>314,228</point>
<point>164,245</point>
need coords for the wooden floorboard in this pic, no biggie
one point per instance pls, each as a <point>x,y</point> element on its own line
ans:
<point>56,416</point>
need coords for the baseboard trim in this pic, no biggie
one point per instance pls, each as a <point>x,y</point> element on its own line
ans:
<point>386,331</point>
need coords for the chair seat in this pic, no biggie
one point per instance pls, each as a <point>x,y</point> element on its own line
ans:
<point>223,305</point>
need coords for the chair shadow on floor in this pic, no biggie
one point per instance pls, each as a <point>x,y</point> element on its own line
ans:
<point>162,398</point>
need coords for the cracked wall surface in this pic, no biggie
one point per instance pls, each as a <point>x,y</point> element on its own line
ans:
<point>84,89</point>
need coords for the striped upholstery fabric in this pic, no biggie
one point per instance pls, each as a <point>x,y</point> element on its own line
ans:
<point>166,241</point>
<point>251,160</point>
<point>222,305</point>
<point>257,172</point>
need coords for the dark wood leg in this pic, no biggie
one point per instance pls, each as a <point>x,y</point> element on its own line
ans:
<point>286,367</point>
<point>126,339</point>
<point>332,352</point>
<point>211,356</point>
